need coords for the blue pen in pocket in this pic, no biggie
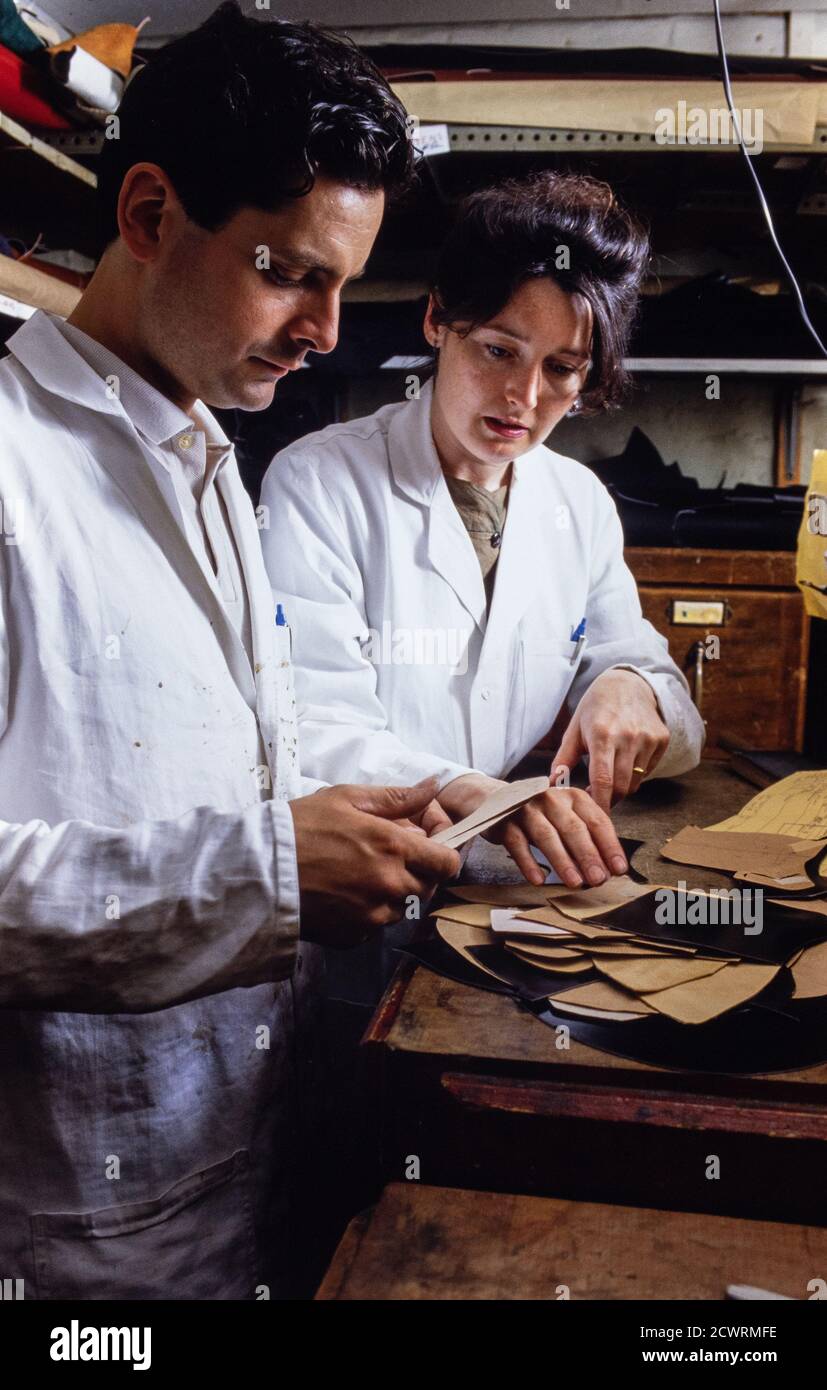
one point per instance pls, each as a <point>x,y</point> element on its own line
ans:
<point>284,637</point>
<point>287,766</point>
<point>578,637</point>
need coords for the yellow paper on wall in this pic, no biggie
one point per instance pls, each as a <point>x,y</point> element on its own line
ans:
<point>639,105</point>
<point>811,559</point>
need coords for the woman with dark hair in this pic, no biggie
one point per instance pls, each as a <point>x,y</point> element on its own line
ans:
<point>453,583</point>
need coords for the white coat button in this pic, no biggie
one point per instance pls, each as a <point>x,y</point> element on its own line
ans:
<point>185,441</point>
<point>485,693</point>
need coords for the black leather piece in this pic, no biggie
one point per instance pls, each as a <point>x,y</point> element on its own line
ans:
<point>767,525</point>
<point>784,930</point>
<point>438,956</point>
<point>751,1039</point>
<point>630,848</point>
<point>527,981</point>
<point>713,309</point>
<point>660,505</point>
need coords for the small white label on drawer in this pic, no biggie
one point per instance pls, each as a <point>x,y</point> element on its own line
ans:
<point>698,612</point>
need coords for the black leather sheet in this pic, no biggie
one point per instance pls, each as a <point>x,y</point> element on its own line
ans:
<point>783,930</point>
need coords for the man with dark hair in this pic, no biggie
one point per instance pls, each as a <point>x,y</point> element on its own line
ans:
<point>241,113</point>
<point>262,153</point>
<point>154,847</point>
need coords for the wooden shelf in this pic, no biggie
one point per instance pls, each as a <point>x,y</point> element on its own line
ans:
<point>34,289</point>
<point>17,135</point>
<point>734,366</point>
<point>482,139</point>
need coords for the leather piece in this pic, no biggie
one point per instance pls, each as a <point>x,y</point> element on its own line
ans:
<point>780,937</point>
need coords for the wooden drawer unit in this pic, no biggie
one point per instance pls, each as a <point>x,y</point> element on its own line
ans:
<point>751,684</point>
<point>476,1090</point>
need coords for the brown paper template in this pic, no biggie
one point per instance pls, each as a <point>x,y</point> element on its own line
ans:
<point>600,998</point>
<point>491,811</point>
<point>647,975</point>
<point>508,894</point>
<point>541,951</point>
<point>757,852</point>
<point>623,948</point>
<point>558,967</point>
<point>810,972</point>
<point>548,920</point>
<point>597,902</point>
<point>460,937</point>
<point>472,914</point>
<point>701,1000</point>
<point>790,883</point>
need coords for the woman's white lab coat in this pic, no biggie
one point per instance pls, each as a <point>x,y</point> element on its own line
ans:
<point>399,672</point>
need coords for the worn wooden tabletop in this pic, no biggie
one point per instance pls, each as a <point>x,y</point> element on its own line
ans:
<point>447,1243</point>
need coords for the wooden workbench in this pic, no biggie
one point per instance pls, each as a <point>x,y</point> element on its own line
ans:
<point>433,1243</point>
<point>478,1090</point>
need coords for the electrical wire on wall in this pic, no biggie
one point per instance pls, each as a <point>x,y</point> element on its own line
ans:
<point>765,208</point>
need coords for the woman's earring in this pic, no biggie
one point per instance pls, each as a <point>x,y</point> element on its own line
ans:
<point>576,407</point>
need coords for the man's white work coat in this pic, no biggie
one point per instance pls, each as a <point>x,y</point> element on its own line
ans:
<point>400,672</point>
<point>144,1140</point>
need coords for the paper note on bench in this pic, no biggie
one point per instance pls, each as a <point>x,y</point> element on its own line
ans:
<point>797,805</point>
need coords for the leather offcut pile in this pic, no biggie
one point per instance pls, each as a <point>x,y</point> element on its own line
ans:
<point>629,950</point>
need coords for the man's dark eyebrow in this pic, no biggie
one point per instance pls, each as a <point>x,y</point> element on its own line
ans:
<point>301,261</point>
<point>509,333</point>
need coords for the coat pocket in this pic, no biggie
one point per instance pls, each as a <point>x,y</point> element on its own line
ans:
<point>547,673</point>
<point>195,1241</point>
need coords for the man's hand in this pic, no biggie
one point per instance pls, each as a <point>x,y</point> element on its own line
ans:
<point>433,818</point>
<point>617,723</point>
<point>360,857</point>
<point>565,824</point>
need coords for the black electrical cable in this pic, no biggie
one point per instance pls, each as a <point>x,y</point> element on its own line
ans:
<point>788,270</point>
